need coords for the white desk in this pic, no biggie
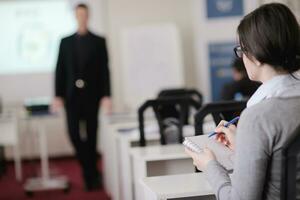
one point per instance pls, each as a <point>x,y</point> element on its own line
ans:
<point>45,182</point>
<point>183,186</point>
<point>156,161</point>
<point>115,149</point>
<point>9,136</point>
<point>108,144</point>
<point>125,142</point>
<point>109,157</point>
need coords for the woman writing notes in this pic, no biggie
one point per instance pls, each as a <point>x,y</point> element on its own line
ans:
<point>269,46</point>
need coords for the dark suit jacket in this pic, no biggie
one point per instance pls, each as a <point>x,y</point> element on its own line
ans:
<point>245,87</point>
<point>95,74</point>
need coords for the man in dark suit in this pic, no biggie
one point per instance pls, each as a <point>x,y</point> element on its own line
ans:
<point>81,83</point>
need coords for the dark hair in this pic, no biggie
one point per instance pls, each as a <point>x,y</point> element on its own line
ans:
<point>82,5</point>
<point>271,35</point>
<point>239,66</point>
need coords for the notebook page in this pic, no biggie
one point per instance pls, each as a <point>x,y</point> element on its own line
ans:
<point>223,154</point>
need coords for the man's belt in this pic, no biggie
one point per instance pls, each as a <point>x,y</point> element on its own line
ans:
<point>79,83</point>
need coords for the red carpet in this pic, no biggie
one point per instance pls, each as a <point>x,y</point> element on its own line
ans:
<point>10,189</point>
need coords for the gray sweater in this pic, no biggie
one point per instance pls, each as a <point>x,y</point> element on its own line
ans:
<point>261,133</point>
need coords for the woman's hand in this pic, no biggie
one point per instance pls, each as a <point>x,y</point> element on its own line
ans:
<point>226,135</point>
<point>200,160</point>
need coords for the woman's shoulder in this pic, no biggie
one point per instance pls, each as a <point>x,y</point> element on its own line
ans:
<point>272,113</point>
<point>273,105</point>
<point>270,122</point>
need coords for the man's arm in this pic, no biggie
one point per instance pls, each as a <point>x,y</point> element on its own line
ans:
<point>60,78</point>
<point>60,72</point>
<point>105,73</point>
<point>106,101</point>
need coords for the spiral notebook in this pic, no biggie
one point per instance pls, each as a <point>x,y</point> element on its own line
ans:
<point>223,154</point>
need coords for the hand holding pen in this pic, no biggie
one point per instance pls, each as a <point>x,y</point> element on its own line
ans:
<point>234,120</point>
<point>225,132</point>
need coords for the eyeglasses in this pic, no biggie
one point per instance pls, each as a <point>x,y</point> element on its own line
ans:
<point>238,51</point>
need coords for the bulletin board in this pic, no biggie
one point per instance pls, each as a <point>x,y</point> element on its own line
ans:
<point>220,60</point>
<point>224,8</point>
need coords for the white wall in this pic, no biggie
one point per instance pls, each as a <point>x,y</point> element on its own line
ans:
<point>128,13</point>
<point>220,30</point>
<point>213,30</point>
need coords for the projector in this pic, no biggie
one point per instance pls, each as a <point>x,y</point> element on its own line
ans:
<point>38,106</point>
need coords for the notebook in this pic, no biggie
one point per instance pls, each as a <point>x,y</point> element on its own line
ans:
<point>223,154</point>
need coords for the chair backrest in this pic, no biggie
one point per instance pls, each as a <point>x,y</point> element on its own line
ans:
<point>181,103</point>
<point>181,93</point>
<point>224,110</point>
<point>290,176</point>
<point>171,111</point>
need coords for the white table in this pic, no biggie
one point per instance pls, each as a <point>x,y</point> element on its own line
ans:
<point>158,160</point>
<point>116,156</point>
<point>125,141</point>
<point>183,186</point>
<point>45,182</point>
<point>9,136</point>
<point>108,145</point>
<point>115,148</point>
<point>110,160</point>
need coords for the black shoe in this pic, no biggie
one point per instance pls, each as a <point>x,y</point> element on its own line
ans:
<point>94,184</point>
<point>88,187</point>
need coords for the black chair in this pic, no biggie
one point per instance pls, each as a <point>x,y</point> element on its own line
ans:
<point>182,92</point>
<point>290,176</point>
<point>171,111</point>
<point>225,110</point>
<point>182,104</point>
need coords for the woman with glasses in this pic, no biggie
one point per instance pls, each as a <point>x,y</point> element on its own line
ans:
<point>269,41</point>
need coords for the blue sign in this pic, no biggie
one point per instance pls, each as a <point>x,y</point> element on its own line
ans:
<point>220,59</point>
<point>224,8</point>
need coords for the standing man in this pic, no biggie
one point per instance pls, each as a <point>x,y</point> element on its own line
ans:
<point>81,84</point>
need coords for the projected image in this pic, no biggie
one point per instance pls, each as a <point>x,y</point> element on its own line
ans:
<point>34,46</point>
<point>32,31</point>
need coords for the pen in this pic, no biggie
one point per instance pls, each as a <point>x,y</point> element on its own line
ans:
<point>234,120</point>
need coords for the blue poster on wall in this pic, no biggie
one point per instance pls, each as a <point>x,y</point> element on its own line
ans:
<point>224,8</point>
<point>220,59</point>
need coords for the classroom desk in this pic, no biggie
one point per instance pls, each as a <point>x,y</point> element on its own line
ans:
<point>108,145</point>
<point>109,157</point>
<point>180,187</point>
<point>45,182</point>
<point>125,142</point>
<point>9,136</point>
<point>156,161</point>
<point>115,149</point>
